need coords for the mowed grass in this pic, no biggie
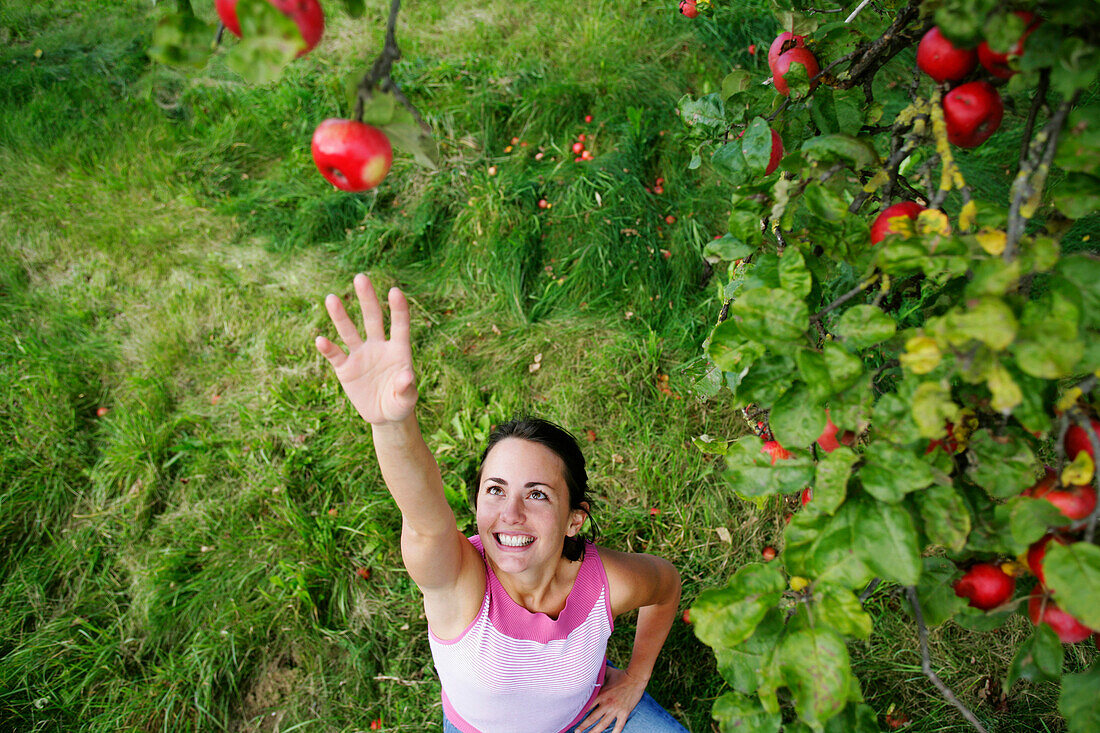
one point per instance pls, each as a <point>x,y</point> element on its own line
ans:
<point>193,558</point>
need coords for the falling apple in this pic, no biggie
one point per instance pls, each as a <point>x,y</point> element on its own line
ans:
<point>306,14</point>
<point>351,155</point>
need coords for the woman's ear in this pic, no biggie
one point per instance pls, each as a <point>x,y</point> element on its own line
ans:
<point>577,518</point>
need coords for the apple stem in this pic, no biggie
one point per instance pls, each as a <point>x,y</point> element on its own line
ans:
<point>926,662</point>
<point>1032,175</point>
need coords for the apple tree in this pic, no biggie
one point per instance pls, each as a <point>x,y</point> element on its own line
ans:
<point>910,323</point>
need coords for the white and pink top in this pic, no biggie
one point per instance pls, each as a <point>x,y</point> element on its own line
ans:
<point>514,671</point>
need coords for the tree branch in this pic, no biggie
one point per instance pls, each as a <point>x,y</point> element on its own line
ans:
<point>379,75</point>
<point>846,297</point>
<point>926,662</point>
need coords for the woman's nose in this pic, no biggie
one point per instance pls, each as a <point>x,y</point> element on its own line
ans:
<point>513,510</point>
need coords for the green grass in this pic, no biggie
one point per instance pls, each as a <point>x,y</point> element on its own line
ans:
<point>187,561</point>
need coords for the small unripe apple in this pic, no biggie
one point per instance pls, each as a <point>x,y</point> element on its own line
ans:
<point>775,450</point>
<point>306,14</point>
<point>1042,609</point>
<point>783,64</point>
<point>1077,440</point>
<point>1037,552</point>
<point>985,586</point>
<point>942,60</point>
<point>1075,502</point>
<point>972,112</point>
<point>351,155</point>
<point>997,63</point>
<point>881,227</point>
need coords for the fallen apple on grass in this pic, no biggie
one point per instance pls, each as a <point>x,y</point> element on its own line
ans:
<point>351,155</point>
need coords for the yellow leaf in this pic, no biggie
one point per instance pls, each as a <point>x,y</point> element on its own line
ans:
<point>1080,471</point>
<point>877,181</point>
<point>798,583</point>
<point>992,241</point>
<point>921,356</point>
<point>1006,393</point>
<point>933,221</point>
<point>1069,399</point>
<point>967,216</point>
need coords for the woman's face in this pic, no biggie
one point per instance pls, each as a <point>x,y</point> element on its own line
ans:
<point>523,513</point>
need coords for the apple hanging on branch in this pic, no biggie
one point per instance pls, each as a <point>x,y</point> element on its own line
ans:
<point>356,154</point>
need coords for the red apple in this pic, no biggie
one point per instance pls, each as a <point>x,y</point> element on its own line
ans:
<point>578,148</point>
<point>973,112</point>
<point>768,553</point>
<point>1037,552</point>
<point>774,158</point>
<point>788,59</point>
<point>1077,440</point>
<point>351,155</point>
<point>775,450</point>
<point>881,227</point>
<point>1042,609</point>
<point>306,14</point>
<point>783,42</point>
<point>941,60</point>
<point>997,63</point>
<point>986,586</point>
<point>1075,502</point>
<point>101,411</point>
<point>544,204</point>
<point>688,9</point>
<point>806,496</point>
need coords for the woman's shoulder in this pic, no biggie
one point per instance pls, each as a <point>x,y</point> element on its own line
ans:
<point>636,579</point>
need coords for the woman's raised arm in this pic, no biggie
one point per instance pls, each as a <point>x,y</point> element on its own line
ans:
<point>377,376</point>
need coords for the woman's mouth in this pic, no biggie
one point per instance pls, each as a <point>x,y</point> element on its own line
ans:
<point>514,540</point>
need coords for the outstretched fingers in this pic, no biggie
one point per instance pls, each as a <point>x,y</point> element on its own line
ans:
<point>330,351</point>
<point>372,311</point>
<point>399,316</point>
<point>348,333</point>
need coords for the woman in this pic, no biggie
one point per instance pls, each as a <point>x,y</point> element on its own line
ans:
<point>519,615</point>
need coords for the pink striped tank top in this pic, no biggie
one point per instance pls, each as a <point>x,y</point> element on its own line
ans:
<point>514,671</point>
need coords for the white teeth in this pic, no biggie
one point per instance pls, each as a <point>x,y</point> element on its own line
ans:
<point>513,540</point>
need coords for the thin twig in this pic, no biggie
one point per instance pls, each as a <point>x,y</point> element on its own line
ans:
<point>857,11</point>
<point>926,662</point>
<point>846,297</point>
<point>871,588</point>
<point>1039,100</point>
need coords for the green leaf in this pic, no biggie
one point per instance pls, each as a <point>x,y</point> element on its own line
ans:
<point>1077,195</point>
<point>771,316</point>
<point>794,276</point>
<point>735,82</point>
<point>841,148</point>
<point>814,371</point>
<point>269,42</point>
<point>355,8</point>
<point>796,418</point>
<point>708,112</point>
<point>766,381</point>
<point>756,146</point>
<point>840,609</point>
<point>962,20</point>
<point>894,418</point>
<point>728,616</point>
<point>932,408</point>
<point>742,665</point>
<point>823,547</point>
<point>945,516</point>
<point>1077,68</point>
<point>181,40</point>
<point>729,350</point>
<point>743,714</point>
<point>1080,151</point>
<point>888,542</point>
<point>1083,273</point>
<point>935,591</point>
<point>988,320</point>
<point>1039,658</point>
<point>1002,465</point>
<point>824,203</point>
<point>1028,519</point>
<point>845,368</point>
<point>729,162</point>
<point>1073,575</point>
<point>890,472</point>
<point>406,134</point>
<point>1077,701</point>
<point>815,665</point>
<point>865,325</point>
<point>831,476</point>
<point>750,472</point>
<point>728,248</point>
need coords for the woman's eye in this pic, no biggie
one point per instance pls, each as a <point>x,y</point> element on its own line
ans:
<point>536,494</point>
<point>494,490</point>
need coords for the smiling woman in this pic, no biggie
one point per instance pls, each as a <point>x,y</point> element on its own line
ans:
<point>519,615</point>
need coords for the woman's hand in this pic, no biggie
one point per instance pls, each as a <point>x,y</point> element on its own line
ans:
<point>614,702</point>
<point>377,374</point>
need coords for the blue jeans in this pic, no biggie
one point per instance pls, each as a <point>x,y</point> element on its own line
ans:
<point>647,717</point>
